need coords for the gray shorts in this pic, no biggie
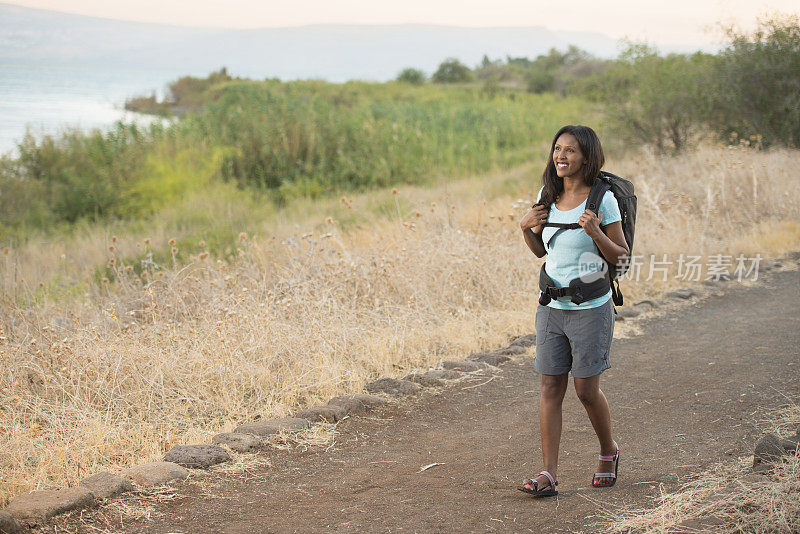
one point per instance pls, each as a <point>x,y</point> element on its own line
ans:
<point>573,340</point>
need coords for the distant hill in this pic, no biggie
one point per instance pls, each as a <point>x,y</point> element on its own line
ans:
<point>333,52</point>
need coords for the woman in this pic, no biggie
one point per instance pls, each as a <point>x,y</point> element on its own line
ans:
<point>569,336</point>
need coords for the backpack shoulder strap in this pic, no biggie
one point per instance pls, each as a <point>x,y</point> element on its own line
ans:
<point>593,202</point>
<point>599,188</point>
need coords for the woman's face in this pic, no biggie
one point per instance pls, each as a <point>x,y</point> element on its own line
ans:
<point>568,157</point>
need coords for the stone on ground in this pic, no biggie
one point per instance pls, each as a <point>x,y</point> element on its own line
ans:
<point>371,401</point>
<point>511,350</point>
<point>770,449</point>
<point>680,294</point>
<point>359,402</point>
<point>492,358</point>
<point>443,374</point>
<point>156,473</point>
<point>106,485</point>
<point>524,341</point>
<point>271,427</point>
<point>649,303</point>
<point>328,414</point>
<point>351,406</point>
<point>37,507</point>
<point>628,312</point>
<point>9,525</point>
<point>463,366</point>
<point>424,380</point>
<point>238,442</point>
<point>197,456</point>
<point>393,386</point>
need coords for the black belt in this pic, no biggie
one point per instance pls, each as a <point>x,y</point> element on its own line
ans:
<point>578,290</point>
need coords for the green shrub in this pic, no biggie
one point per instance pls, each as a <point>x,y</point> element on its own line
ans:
<point>452,70</point>
<point>305,138</point>
<point>653,99</point>
<point>412,76</point>
<point>757,83</point>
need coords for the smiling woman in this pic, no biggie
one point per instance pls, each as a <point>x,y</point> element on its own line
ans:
<point>574,330</point>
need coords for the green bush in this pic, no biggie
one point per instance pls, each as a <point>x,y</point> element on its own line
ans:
<point>305,138</point>
<point>83,174</point>
<point>184,95</point>
<point>757,83</point>
<point>452,70</point>
<point>412,76</point>
<point>653,99</point>
<point>752,88</point>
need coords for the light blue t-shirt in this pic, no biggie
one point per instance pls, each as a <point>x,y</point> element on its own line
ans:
<point>572,253</point>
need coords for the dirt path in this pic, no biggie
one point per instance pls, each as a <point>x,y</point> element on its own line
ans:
<point>687,393</point>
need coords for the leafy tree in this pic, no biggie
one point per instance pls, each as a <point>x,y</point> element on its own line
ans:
<point>654,99</point>
<point>757,82</point>
<point>412,76</point>
<point>556,70</point>
<point>452,70</point>
<point>540,80</point>
<point>518,61</point>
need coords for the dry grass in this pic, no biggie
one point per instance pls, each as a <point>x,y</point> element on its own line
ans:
<point>768,506</point>
<point>309,310</point>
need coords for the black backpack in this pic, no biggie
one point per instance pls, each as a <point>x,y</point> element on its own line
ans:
<point>622,190</point>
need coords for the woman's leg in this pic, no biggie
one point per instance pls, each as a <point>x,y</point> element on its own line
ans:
<point>552,395</point>
<point>596,404</point>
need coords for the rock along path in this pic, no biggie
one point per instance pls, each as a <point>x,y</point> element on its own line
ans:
<point>687,393</point>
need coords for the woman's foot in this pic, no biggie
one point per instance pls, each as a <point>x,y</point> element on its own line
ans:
<point>607,465</point>
<point>540,486</point>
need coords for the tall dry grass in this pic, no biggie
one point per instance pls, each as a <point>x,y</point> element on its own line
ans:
<point>319,298</point>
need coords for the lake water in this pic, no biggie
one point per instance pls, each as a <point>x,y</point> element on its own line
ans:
<point>49,97</point>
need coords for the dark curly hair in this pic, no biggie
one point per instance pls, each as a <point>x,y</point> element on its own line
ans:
<point>592,150</point>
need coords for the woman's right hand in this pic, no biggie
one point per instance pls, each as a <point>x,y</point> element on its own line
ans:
<point>535,218</point>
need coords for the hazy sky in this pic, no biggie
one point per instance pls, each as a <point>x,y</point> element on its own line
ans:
<point>674,21</point>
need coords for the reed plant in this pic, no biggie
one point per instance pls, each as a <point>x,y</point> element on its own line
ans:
<point>293,139</point>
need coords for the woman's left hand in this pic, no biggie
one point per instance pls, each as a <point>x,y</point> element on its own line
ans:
<point>591,223</point>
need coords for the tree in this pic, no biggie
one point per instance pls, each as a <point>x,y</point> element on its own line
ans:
<point>452,70</point>
<point>654,99</point>
<point>556,70</point>
<point>412,76</point>
<point>757,82</point>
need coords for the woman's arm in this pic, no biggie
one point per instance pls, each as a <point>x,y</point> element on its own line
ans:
<point>531,225</point>
<point>610,239</point>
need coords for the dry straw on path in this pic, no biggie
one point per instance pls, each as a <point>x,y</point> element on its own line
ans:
<point>770,505</point>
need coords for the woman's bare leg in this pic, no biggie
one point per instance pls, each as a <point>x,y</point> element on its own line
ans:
<point>596,404</point>
<point>552,396</point>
